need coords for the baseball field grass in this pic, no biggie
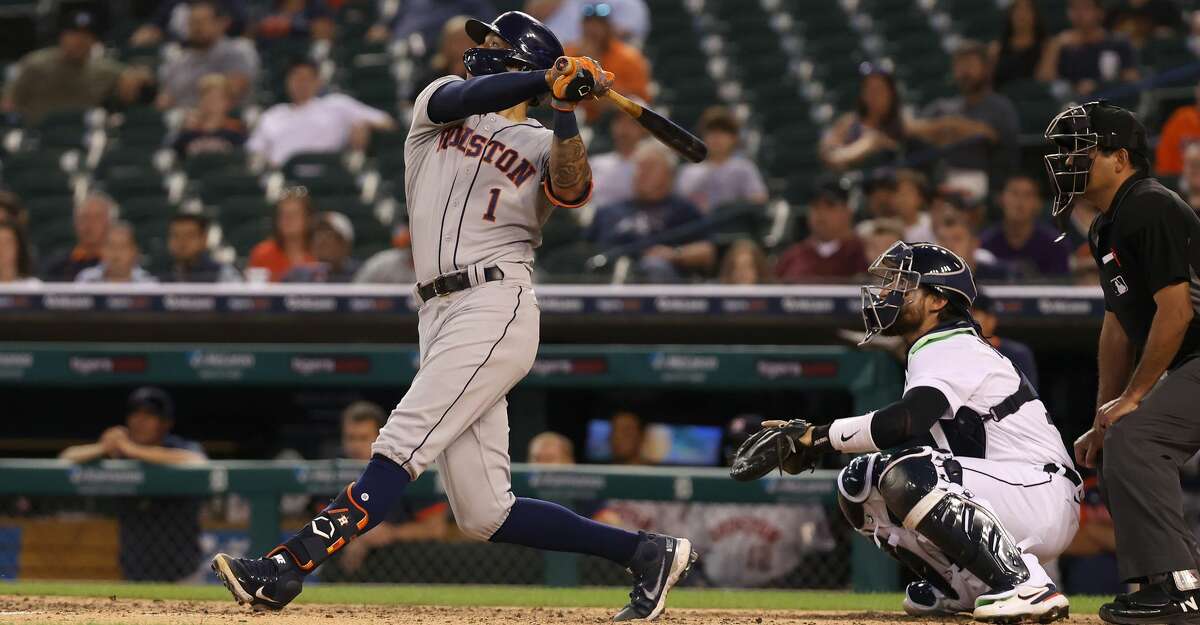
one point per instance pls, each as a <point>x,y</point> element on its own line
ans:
<point>97,603</point>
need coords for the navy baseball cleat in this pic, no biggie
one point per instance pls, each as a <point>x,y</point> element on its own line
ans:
<point>1154,603</point>
<point>659,563</point>
<point>262,583</point>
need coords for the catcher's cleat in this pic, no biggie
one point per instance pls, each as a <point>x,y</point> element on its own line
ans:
<point>1153,604</point>
<point>659,563</point>
<point>262,583</point>
<point>1026,603</point>
<point>923,599</point>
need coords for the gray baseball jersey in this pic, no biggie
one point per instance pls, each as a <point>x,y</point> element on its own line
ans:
<point>474,200</point>
<point>474,188</point>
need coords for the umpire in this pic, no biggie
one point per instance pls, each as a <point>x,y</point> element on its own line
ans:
<point>1146,241</point>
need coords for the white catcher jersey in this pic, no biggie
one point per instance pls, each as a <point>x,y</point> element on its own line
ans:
<point>473,188</point>
<point>971,374</point>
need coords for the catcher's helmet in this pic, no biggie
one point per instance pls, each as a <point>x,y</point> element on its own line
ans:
<point>1075,132</point>
<point>903,268</point>
<point>532,45</point>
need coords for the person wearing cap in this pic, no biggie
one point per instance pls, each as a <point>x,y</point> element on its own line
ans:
<point>832,250</point>
<point>725,176</point>
<point>984,311</point>
<point>159,536</point>
<point>68,77</point>
<point>208,51</point>
<point>1146,242</point>
<point>312,122</point>
<point>1021,239</point>
<point>599,40</point>
<point>393,265</point>
<point>332,243</point>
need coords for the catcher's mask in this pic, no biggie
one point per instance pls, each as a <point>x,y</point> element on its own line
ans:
<point>1077,131</point>
<point>903,268</point>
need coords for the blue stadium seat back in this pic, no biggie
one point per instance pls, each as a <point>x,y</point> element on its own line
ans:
<point>198,165</point>
<point>46,208</point>
<point>224,183</point>
<point>246,235</point>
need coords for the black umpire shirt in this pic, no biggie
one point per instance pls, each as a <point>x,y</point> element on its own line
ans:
<point>1148,240</point>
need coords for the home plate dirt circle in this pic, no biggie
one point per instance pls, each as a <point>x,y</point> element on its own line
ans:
<point>115,611</point>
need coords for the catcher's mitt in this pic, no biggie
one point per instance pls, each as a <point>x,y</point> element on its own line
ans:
<point>776,445</point>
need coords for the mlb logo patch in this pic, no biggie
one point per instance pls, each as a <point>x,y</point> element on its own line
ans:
<point>1119,285</point>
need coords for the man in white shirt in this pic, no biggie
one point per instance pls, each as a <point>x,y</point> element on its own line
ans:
<point>312,122</point>
<point>613,171</point>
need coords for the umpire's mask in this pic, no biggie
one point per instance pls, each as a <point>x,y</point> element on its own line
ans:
<point>1075,132</point>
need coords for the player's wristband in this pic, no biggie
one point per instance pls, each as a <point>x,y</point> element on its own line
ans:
<point>853,434</point>
<point>565,124</point>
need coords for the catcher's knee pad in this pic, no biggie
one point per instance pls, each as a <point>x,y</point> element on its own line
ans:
<point>339,523</point>
<point>855,483</point>
<point>930,503</point>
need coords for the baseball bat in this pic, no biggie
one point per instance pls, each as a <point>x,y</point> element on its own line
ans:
<point>671,134</point>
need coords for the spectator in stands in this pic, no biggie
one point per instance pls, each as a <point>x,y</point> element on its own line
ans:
<point>296,19</point>
<point>332,243</point>
<point>871,135</point>
<point>954,233</point>
<point>910,203</point>
<point>832,250</point>
<point>551,448</point>
<point>625,438</point>
<point>599,40</point>
<point>427,17</point>
<point>448,60</point>
<point>725,176</point>
<point>745,263</point>
<point>119,259</point>
<point>13,209</point>
<point>208,51</point>
<point>187,243</point>
<point>1083,266</point>
<point>93,216</point>
<point>1189,184</point>
<point>16,262</point>
<point>977,129</point>
<point>312,122</point>
<point>612,172</point>
<point>391,266</point>
<point>879,235</point>
<point>1019,51</point>
<point>1141,20</point>
<point>68,77</point>
<point>209,127</point>
<point>878,191</point>
<point>630,18</point>
<point>361,422</point>
<point>170,21</point>
<point>984,311</point>
<point>151,527</point>
<point>1086,55</point>
<point>1021,238</point>
<point>290,244</point>
<point>1181,130</point>
<point>653,212</point>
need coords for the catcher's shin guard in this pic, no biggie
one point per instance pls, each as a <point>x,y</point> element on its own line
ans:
<point>966,532</point>
<point>339,523</point>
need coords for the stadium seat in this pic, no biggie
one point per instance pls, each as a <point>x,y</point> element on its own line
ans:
<point>224,183</point>
<point>54,236</point>
<point>245,236</point>
<point>125,161</point>
<point>199,165</point>
<point>235,210</point>
<point>135,182</point>
<point>48,208</point>
<point>62,129</point>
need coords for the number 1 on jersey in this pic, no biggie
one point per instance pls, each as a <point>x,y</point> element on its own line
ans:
<point>490,214</point>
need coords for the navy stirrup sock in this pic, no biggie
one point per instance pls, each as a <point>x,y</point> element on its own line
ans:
<point>359,507</point>
<point>545,525</point>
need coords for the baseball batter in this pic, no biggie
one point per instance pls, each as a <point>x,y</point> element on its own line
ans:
<point>481,178</point>
<point>983,490</point>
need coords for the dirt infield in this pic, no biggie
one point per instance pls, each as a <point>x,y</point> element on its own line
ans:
<point>113,611</point>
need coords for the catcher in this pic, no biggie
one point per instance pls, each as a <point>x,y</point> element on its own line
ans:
<point>979,489</point>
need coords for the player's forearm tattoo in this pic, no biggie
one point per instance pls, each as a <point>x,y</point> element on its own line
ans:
<point>569,169</point>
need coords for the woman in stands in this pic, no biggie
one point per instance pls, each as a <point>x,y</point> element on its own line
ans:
<point>16,264</point>
<point>1019,51</point>
<point>210,127</point>
<point>290,244</point>
<point>871,135</point>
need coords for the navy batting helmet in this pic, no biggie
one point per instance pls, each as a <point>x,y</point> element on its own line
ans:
<point>903,268</point>
<point>531,45</point>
